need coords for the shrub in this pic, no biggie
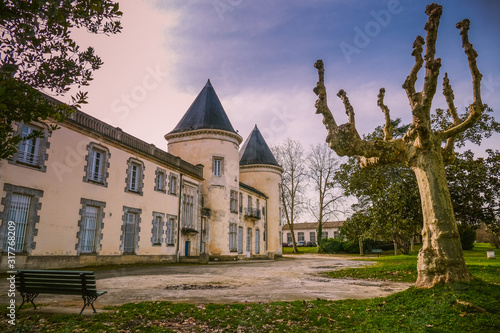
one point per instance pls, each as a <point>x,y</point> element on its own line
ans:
<point>467,236</point>
<point>330,245</point>
<point>351,246</point>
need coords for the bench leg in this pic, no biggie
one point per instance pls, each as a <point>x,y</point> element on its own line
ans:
<point>28,297</point>
<point>88,300</point>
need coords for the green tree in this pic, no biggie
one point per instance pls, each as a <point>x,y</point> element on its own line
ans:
<point>37,53</point>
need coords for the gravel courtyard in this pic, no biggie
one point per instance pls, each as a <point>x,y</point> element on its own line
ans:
<point>287,279</point>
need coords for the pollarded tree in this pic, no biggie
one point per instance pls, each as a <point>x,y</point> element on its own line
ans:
<point>441,258</point>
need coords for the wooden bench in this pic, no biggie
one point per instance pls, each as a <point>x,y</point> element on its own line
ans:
<point>377,251</point>
<point>30,283</point>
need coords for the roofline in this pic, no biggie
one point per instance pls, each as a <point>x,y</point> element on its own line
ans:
<point>313,225</point>
<point>253,189</point>
<point>232,135</point>
<point>266,166</point>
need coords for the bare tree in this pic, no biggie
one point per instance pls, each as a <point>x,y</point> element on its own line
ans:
<point>290,155</point>
<point>322,164</point>
<point>441,258</point>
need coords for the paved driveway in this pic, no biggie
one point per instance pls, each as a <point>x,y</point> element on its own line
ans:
<point>290,278</point>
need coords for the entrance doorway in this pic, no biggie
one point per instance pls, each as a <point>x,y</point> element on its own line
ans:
<point>187,247</point>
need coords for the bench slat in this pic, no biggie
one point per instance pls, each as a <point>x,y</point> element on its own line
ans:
<point>59,291</point>
<point>56,280</point>
<point>54,271</point>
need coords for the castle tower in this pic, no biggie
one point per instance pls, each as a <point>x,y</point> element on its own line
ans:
<point>205,136</point>
<point>259,169</point>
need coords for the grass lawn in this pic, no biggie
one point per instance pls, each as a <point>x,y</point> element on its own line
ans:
<point>289,250</point>
<point>403,268</point>
<point>472,307</point>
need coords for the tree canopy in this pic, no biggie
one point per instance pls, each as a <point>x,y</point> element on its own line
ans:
<point>38,54</point>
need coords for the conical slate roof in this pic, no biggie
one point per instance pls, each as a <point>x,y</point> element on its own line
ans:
<point>256,151</point>
<point>206,112</point>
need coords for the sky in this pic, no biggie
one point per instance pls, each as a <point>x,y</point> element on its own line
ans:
<point>259,56</point>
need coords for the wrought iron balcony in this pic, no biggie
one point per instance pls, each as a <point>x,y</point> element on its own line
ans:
<point>252,213</point>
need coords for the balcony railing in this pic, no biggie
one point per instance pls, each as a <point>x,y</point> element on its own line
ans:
<point>252,213</point>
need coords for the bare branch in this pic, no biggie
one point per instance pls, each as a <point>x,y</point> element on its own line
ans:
<point>432,65</point>
<point>348,107</point>
<point>477,107</point>
<point>385,110</point>
<point>345,139</point>
<point>321,103</point>
<point>449,150</point>
<point>409,84</point>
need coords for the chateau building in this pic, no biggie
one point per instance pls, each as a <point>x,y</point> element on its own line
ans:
<point>308,231</point>
<point>91,194</point>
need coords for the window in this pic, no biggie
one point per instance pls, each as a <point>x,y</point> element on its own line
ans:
<point>241,202</point>
<point>157,229</point>
<point>249,203</point>
<point>160,180</point>
<point>21,205</point>
<point>170,232</point>
<point>335,234</point>
<point>218,166</point>
<point>19,214</point>
<point>288,237</point>
<point>312,236</point>
<point>257,241</point>
<point>130,230</point>
<point>97,164</point>
<point>31,152</point>
<point>233,204</point>
<point>300,236</point>
<point>89,234</point>
<point>249,240</point>
<point>135,176</point>
<point>28,149</point>
<point>240,240</point>
<point>87,239</point>
<point>324,235</point>
<point>232,237</point>
<point>187,211</point>
<point>172,185</point>
<point>258,205</point>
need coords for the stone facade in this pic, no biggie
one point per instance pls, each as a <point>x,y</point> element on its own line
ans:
<point>91,194</point>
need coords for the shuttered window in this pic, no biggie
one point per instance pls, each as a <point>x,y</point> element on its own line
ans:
<point>129,233</point>
<point>88,231</point>
<point>29,149</point>
<point>19,214</point>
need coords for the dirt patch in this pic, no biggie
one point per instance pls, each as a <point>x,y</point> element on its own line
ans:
<point>195,287</point>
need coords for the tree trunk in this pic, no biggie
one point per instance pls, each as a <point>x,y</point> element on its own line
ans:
<point>395,247</point>
<point>440,259</point>
<point>360,240</point>
<point>412,242</point>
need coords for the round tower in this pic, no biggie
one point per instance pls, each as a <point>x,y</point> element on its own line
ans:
<point>259,169</point>
<point>205,136</point>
